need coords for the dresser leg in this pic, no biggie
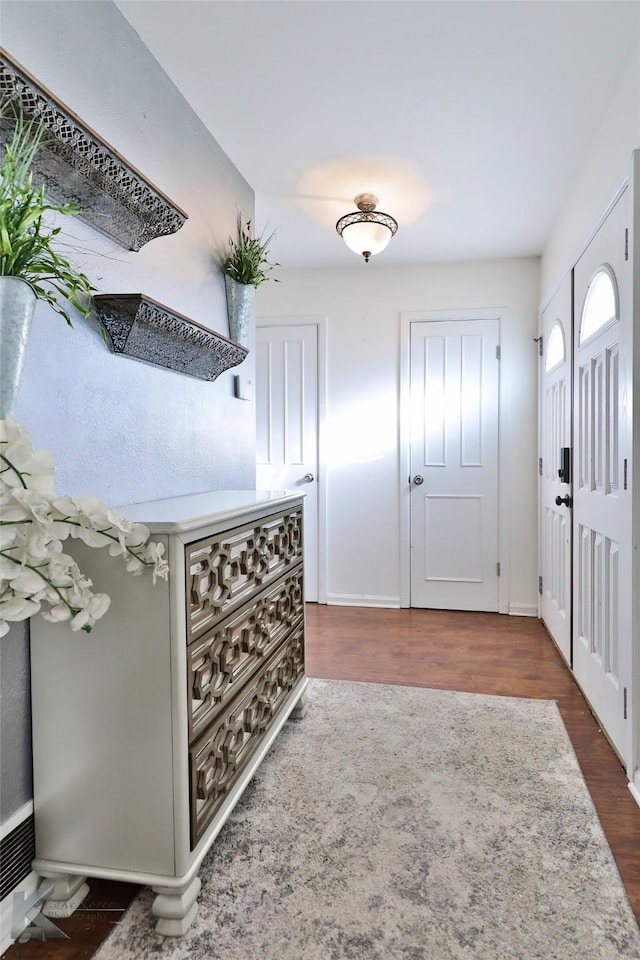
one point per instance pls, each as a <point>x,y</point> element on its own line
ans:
<point>64,892</point>
<point>175,908</point>
<point>300,708</point>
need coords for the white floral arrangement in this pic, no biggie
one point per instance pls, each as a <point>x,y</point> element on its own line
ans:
<point>34,521</point>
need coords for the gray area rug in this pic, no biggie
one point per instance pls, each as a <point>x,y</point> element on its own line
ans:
<point>396,823</point>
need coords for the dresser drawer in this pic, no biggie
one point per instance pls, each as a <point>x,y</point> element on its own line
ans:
<point>223,571</point>
<point>221,661</point>
<point>223,751</point>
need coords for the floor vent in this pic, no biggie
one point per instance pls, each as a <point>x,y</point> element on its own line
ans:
<point>17,850</point>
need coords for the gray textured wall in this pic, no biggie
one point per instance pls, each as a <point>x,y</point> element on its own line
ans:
<point>120,429</point>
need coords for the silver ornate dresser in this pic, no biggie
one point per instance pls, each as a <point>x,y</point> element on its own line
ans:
<point>147,730</point>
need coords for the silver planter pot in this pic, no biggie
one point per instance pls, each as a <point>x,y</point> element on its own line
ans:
<point>240,303</point>
<point>17,305</point>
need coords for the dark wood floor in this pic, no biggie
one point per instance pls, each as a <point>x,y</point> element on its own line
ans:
<point>479,653</point>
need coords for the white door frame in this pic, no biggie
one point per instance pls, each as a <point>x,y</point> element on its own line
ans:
<point>602,503</point>
<point>567,326</point>
<point>320,323</point>
<point>404,444</point>
<point>630,353</point>
<point>630,342</point>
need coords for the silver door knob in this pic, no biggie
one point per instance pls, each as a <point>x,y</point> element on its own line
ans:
<point>308,478</point>
<point>418,480</point>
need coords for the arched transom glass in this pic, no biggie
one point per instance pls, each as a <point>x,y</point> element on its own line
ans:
<point>555,347</point>
<point>600,304</point>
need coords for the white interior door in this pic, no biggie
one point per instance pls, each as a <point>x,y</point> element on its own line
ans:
<point>287,424</point>
<point>602,505</point>
<point>454,464</point>
<point>556,466</point>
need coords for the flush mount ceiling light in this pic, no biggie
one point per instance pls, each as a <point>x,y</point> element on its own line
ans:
<point>368,231</point>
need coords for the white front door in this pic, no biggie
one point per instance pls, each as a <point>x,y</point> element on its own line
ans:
<point>454,464</point>
<point>602,503</point>
<point>556,468</point>
<point>287,424</point>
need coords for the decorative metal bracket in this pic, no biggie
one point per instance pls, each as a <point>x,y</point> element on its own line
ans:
<point>146,330</point>
<point>77,166</point>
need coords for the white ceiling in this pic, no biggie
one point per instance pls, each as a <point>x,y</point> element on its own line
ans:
<point>467,119</point>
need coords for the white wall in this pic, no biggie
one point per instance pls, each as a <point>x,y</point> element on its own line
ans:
<point>119,429</point>
<point>604,168</point>
<point>363,304</point>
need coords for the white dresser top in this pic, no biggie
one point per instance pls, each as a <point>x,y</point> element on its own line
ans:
<point>180,514</point>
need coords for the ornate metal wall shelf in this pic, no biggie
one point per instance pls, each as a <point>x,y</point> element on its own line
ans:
<point>146,330</point>
<point>77,166</point>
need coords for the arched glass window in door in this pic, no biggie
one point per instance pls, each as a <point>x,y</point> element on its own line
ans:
<point>555,348</point>
<point>600,304</point>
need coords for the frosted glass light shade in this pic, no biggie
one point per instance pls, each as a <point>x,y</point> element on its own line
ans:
<point>368,231</point>
<point>371,237</point>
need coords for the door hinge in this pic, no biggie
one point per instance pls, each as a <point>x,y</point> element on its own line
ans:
<point>498,568</point>
<point>624,474</point>
<point>540,585</point>
<point>624,698</point>
<point>539,340</point>
<point>497,351</point>
<point>540,466</point>
<point>626,243</point>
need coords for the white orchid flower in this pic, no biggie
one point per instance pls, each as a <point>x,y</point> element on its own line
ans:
<point>56,613</point>
<point>96,608</point>
<point>18,608</point>
<point>29,583</point>
<point>35,504</point>
<point>154,553</point>
<point>34,522</point>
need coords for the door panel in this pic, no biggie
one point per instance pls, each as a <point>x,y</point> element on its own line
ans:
<point>454,449</point>
<point>287,424</point>
<point>556,436</point>
<point>602,517</point>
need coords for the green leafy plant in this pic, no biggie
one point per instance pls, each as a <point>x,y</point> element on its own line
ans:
<point>248,261</point>
<point>27,247</point>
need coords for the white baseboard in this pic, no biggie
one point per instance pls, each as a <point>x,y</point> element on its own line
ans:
<point>361,600</point>
<point>523,610</point>
<point>635,793</point>
<point>26,886</point>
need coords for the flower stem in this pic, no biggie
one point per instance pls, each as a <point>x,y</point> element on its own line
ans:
<point>29,566</point>
<point>15,470</point>
<point>105,533</point>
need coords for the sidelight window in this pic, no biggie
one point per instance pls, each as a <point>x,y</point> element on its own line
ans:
<point>555,348</point>
<point>600,304</point>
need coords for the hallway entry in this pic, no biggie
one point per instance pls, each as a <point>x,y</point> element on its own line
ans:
<point>454,380</point>
<point>585,501</point>
<point>287,425</point>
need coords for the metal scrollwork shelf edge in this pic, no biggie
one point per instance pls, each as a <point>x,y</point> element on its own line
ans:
<point>77,166</point>
<point>145,330</point>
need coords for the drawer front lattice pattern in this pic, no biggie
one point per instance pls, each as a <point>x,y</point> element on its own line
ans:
<point>224,570</point>
<point>219,757</point>
<point>219,663</point>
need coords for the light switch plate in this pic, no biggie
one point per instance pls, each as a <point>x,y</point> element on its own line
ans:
<point>243,387</point>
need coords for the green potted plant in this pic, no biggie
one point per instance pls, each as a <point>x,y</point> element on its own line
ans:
<point>31,267</point>
<point>246,267</point>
